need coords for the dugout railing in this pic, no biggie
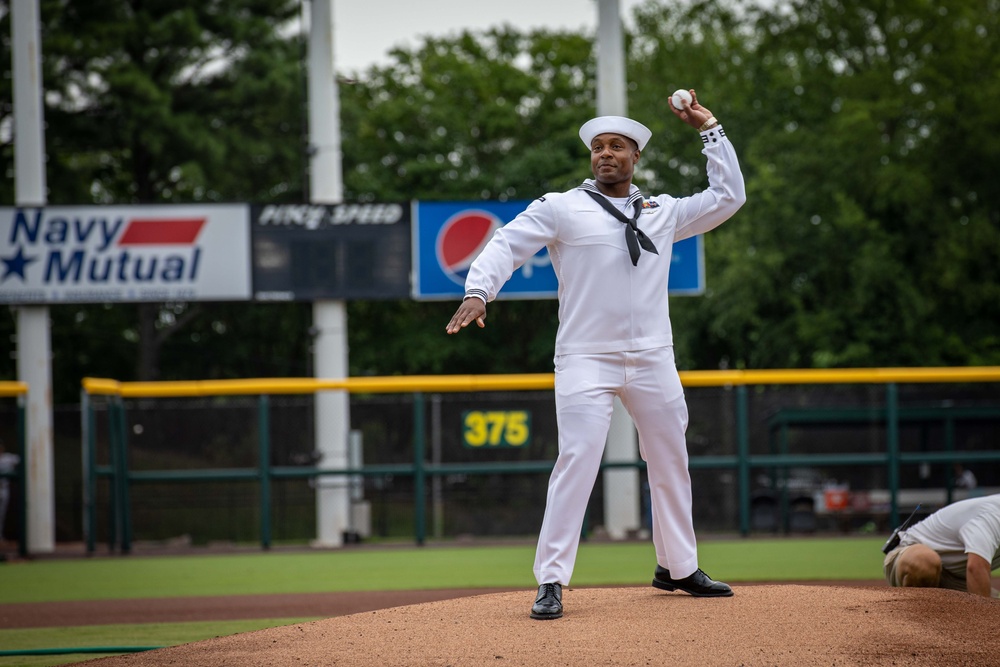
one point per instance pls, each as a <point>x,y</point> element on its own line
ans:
<point>18,391</point>
<point>742,462</point>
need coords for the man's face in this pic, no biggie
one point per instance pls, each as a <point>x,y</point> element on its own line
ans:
<point>613,158</point>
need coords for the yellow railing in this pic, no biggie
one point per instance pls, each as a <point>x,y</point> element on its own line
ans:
<point>840,376</point>
<point>522,382</point>
<point>356,385</point>
<point>13,388</point>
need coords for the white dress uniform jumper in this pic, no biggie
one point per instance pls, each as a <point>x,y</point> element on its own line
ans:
<point>614,339</point>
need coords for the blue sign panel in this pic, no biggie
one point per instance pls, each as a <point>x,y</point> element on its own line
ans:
<point>687,267</point>
<point>448,236</point>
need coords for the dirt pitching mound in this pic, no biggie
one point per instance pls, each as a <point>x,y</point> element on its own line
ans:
<point>760,625</point>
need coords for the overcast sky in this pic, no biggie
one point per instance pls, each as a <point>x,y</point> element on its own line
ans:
<point>365,30</point>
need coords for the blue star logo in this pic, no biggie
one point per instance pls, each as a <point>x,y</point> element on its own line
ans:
<point>16,265</point>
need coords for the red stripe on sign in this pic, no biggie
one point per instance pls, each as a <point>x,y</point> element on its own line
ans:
<point>469,233</point>
<point>162,232</point>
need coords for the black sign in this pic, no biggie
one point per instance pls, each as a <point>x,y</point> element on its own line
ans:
<point>335,251</point>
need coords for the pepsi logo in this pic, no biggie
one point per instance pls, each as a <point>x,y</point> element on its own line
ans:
<point>461,239</point>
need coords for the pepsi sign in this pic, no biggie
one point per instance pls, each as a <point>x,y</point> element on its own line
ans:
<point>448,236</point>
<point>98,254</point>
<point>687,267</point>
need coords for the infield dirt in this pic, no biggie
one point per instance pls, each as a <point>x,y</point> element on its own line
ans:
<point>767,624</point>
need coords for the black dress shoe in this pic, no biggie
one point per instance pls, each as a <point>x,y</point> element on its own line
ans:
<point>698,584</point>
<point>548,604</point>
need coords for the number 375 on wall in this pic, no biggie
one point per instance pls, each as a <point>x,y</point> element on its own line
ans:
<point>496,428</point>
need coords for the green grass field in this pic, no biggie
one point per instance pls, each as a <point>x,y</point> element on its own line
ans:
<point>364,569</point>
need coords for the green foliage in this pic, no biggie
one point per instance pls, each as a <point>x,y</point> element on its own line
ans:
<point>867,134</point>
<point>407,338</point>
<point>491,116</point>
<point>172,102</point>
<point>871,232</point>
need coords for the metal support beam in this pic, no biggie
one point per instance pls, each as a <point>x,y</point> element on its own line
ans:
<point>34,364</point>
<point>329,316</point>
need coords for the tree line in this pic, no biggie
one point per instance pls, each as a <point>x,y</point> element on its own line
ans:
<point>867,132</point>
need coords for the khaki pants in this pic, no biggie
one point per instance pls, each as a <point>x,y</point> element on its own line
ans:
<point>893,577</point>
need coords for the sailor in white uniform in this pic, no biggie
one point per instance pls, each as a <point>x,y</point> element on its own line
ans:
<point>610,248</point>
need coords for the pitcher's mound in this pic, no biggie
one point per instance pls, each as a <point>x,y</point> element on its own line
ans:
<point>792,625</point>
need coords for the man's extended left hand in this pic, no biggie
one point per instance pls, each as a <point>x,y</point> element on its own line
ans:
<point>471,310</point>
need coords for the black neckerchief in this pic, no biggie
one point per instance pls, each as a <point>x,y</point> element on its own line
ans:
<point>634,237</point>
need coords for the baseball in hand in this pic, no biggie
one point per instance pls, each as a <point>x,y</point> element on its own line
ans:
<point>679,97</point>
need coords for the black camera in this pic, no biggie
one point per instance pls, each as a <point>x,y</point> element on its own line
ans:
<point>893,540</point>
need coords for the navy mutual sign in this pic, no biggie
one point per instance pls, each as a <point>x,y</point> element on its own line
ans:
<point>59,254</point>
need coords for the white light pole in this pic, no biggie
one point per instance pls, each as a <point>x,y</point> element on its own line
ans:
<point>34,365</point>
<point>329,316</point>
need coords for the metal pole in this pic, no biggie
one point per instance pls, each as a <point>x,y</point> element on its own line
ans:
<point>91,479</point>
<point>329,316</point>
<point>34,350</point>
<point>949,466</point>
<point>264,467</point>
<point>783,447</point>
<point>126,496</point>
<point>892,446</point>
<point>743,457</point>
<point>612,99</point>
<point>332,423</point>
<point>114,503</point>
<point>22,476</point>
<point>87,461</point>
<point>419,481</point>
<point>437,491</point>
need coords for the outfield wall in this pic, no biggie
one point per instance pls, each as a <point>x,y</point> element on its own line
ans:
<point>771,451</point>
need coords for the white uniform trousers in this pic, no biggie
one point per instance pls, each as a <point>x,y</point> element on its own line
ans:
<point>647,383</point>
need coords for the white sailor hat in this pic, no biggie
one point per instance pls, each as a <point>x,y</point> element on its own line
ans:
<point>626,127</point>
